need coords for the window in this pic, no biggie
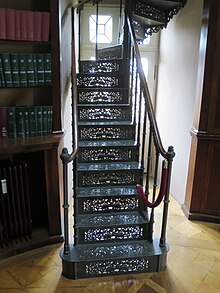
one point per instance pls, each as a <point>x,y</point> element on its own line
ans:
<point>105,26</point>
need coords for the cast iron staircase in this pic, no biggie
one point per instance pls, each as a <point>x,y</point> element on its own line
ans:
<point>113,228</point>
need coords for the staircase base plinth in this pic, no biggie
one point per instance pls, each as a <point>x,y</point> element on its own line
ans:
<point>100,260</point>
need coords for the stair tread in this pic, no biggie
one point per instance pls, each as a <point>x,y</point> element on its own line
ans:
<point>92,105</point>
<point>100,61</point>
<point>110,143</point>
<point>106,123</point>
<point>109,220</point>
<point>147,22</point>
<point>106,191</point>
<point>122,250</point>
<point>88,167</point>
<point>164,4</point>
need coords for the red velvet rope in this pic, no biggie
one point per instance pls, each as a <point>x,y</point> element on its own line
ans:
<point>163,186</point>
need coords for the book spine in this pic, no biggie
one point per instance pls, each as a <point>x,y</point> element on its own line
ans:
<point>15,70</point>
<point>44,120</point>
<point>45,26</point>
<point>37,26</point>
<point>32,121</point>
<point>20,124</point>
<point>50,119</point>
<point>47,69</point>
<point>23,26</point>
<point>22,69</point>
<point>11,122</point>
<point>17,25</point>
<point>40,69</point>
<point>7,69</point>
<point>30,70</point>
<point>26,121</point>
<point>30,25</point>
<point>2,73</point>
<point>39,120</point>
<point>2,23</point>
<point>35,69</point>
<point>3,123</point>
<point>10,23</point>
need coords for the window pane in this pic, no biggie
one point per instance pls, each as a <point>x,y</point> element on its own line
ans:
<point>105,25</point>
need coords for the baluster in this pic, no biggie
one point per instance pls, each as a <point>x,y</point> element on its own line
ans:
<point>97,28</point>
<point>170,156</point>
<point>148,162</point>
<point>139,114</point>
<point>144,132</point>
<point>64,157</point>
<point>154,193</point>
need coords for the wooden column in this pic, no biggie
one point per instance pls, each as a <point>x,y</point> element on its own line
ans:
<point>202,200</point>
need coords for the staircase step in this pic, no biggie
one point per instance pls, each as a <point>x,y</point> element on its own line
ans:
<point>114,199</point>
<point>86,261</point>
<point>104,113</point>
<point>113,52</point>
<point>152,15</point>
<point>106,130</point>
<point>102,80</point>
<point>97,96</point>
<point>107,192</point>
<point>103,152</point>
<point>166,5</point>
<point>96,175</point>
<point>118,227</point>
<point>108,143</point>
<point>96,66</point>
<point>87,167</point>
<point>110,220</point>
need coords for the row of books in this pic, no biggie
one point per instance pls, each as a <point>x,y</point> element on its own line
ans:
<point>25,121</point>
<point>25,69</point>
<point>24,25</point>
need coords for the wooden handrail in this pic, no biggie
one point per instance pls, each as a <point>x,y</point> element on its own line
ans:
<point>146,91</point>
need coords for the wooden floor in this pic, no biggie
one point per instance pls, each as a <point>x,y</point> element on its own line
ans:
<point>193,265</point>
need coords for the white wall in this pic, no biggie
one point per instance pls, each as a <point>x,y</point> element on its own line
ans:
<point>178,62</point>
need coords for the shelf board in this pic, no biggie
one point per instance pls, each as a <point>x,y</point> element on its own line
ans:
<point>29,144</point>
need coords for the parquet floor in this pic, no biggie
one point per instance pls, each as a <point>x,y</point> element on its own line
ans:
<point>193,265</point>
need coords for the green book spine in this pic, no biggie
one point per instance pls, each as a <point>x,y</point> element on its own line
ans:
<point>44,120</point>
<point>26,121</point>
<point>15,70</point>
<point>47,69</point>
<point>32,121</point>
<point>11,122</point>
<point>2,79</point>
<point>30,70</point>
<point>49,119</point>
<point>40,69</point>
<point>35,69</point>
<point>20,122</point>
<point>23,69</point>
<point>3,123</point>
<point>7,69</point>
<point>39,120</point>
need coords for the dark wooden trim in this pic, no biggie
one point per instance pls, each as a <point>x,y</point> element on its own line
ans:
<point>199,216</point>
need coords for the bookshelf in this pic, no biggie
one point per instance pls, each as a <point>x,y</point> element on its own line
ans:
<point>39,150</point>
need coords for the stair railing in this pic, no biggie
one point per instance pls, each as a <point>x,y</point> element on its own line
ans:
<point>65,156</point>
<point>151,149</point>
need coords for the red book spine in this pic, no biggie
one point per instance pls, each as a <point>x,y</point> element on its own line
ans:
<point>23,26</point>
<point>17,24</point>
<point>2,24</point>
<point>37,26</point>
<point>45,26</point>
<point>10,23</point>
<point>3,123</point>
<point>30,25</point>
